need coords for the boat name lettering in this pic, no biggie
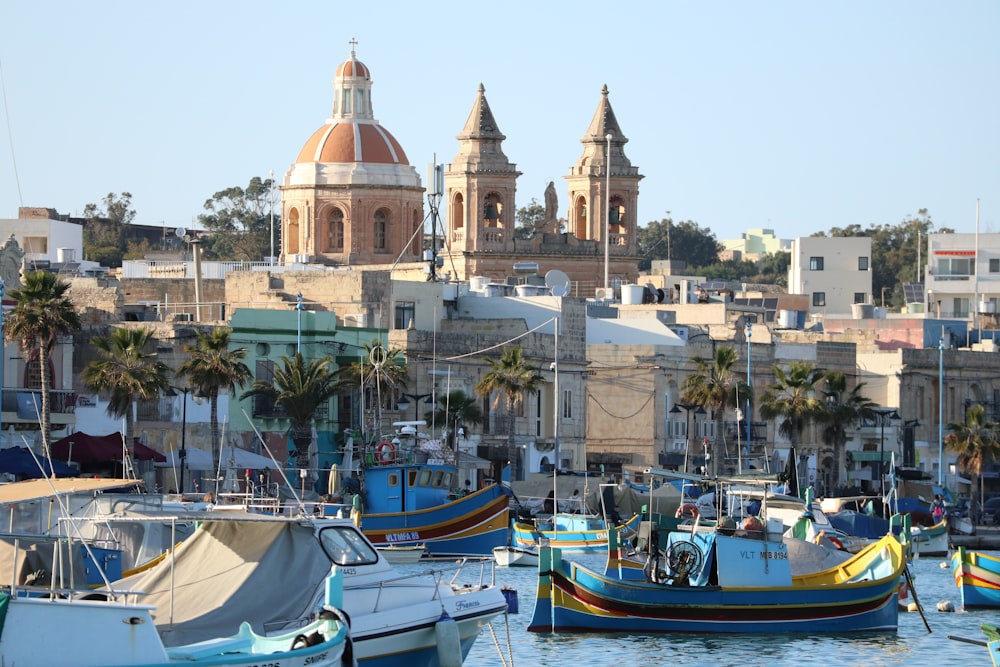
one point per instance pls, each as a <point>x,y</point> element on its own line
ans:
<point>402,537</point>
<point>315,658</point>
<point>769,555</point>
<point>461,604</point>
<point>347,571</point>
<point>266,664</point>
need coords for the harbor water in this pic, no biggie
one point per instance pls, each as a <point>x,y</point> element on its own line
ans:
<point>911,645</point>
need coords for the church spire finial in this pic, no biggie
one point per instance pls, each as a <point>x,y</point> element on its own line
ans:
<point>353,42</point>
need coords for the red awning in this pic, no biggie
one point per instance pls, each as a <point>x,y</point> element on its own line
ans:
<point>83,448</point>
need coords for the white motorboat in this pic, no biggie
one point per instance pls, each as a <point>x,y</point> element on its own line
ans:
<point>272,570</point>
<point>97,632</point>
<point>515,557</point>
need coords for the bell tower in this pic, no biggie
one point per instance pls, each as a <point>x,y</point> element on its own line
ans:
<point>480,185</point>
<point>604,188</point>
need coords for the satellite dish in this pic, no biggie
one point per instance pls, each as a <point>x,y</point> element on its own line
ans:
<point>557,282</point>
<point>181,232</point>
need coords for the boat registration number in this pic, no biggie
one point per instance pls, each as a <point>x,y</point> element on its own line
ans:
<point>402,537</point>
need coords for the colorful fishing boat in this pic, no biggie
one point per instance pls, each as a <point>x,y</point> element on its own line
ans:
<point>930,540</point>
<point>572,533</point>
<point>977,576</point>
<point>97,632</point>
<point>413,504</point>
<point>710,582</point>
<point>992,642</point>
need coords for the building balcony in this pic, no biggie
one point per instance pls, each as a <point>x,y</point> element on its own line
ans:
<point>21,405</point>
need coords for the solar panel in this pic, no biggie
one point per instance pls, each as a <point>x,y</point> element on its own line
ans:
<point>914,292</point>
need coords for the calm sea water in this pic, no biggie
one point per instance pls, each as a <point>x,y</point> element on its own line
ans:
<point>911,645</point>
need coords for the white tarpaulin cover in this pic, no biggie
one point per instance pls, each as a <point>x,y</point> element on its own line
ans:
<point>228,572</point>
<point>199,459</point>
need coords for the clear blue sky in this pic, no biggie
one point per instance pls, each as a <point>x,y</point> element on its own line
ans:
<point>797,116</point>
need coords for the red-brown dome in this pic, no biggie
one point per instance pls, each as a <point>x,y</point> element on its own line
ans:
<point>354,68</point>
<point>352,142</point>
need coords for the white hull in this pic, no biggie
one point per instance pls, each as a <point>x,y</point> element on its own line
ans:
<point>399,555</point>
<point>97,633</point>
<point>515,557</point>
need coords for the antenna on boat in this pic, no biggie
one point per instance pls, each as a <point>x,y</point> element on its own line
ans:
<point>302,506</point>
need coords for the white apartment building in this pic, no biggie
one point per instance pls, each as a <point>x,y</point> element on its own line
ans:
<point>960,271</point>
<point>835,273</point>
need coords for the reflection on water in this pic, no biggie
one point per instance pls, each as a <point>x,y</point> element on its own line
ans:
<point>911,645</point>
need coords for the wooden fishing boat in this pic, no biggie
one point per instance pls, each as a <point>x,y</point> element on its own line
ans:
<point>977,576</point>
<point>930,540</point>
<point>515,557</point>
<point>710,582</point>
<point>572,533</point>
<point>402,555</point>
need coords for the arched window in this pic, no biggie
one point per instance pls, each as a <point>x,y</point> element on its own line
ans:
<point>417,240</point>
<point>579,221</point>
<point>335,230</point>
<point>493,210</point>
<point>379,228</point>
<point>293,231</point>
<point>458,211</point>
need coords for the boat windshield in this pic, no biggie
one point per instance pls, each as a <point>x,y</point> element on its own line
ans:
<point>345,546</point>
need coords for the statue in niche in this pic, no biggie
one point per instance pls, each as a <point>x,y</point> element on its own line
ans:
<point>550,223</point>
<point>11,258</point>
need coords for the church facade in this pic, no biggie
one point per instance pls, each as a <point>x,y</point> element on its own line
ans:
<point>352,198</point>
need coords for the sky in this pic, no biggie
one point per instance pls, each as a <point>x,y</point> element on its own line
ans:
<point>792,116</point>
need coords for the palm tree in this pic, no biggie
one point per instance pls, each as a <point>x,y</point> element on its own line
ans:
<point>509,379</point>
<point>211,366</point>
<point>381,369</point>
<point>715,386</point>
<point>42,314</point>
<point>125,372</point>
<point>455,411</point>
<point>975,441</point>
<point>299,389</point>
<point>792,399</point>
<point>843,409</point>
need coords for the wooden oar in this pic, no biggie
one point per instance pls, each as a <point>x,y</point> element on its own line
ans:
<point>975,642</point>
<point>909,580</point>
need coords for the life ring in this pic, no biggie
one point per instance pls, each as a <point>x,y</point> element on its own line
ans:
<point>687,508</point>
<point>385,452</point>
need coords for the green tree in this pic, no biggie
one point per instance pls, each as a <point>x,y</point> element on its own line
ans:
<point>715,386</point>
<point>793,399</point>
<point>104,229</point>
<point>681,240</point>
<point>508,380</point>
<point>455,411</point>
<point>238,222</point>
<point>126,371</point>
<point>975,442</point>
<point>211,366</point>
<point>843,410</point>
<point>528,219</point>
<point>42,313</point>
<point>299,389</point>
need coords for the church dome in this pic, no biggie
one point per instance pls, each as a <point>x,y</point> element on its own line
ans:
<point>351,134</point>
<point>347,141</point>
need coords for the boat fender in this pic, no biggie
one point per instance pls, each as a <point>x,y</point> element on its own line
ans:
<point>386,452</point>
<point>449,644</point>
<point>687,509</point>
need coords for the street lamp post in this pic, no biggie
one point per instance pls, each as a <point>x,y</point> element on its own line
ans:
<point>884,415</point>
<point>749,385</point>
<point>941,413</point>
<point>298,307</point>
<point>404,404</point>
<point>182,454</point>
<point>607,215</point>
